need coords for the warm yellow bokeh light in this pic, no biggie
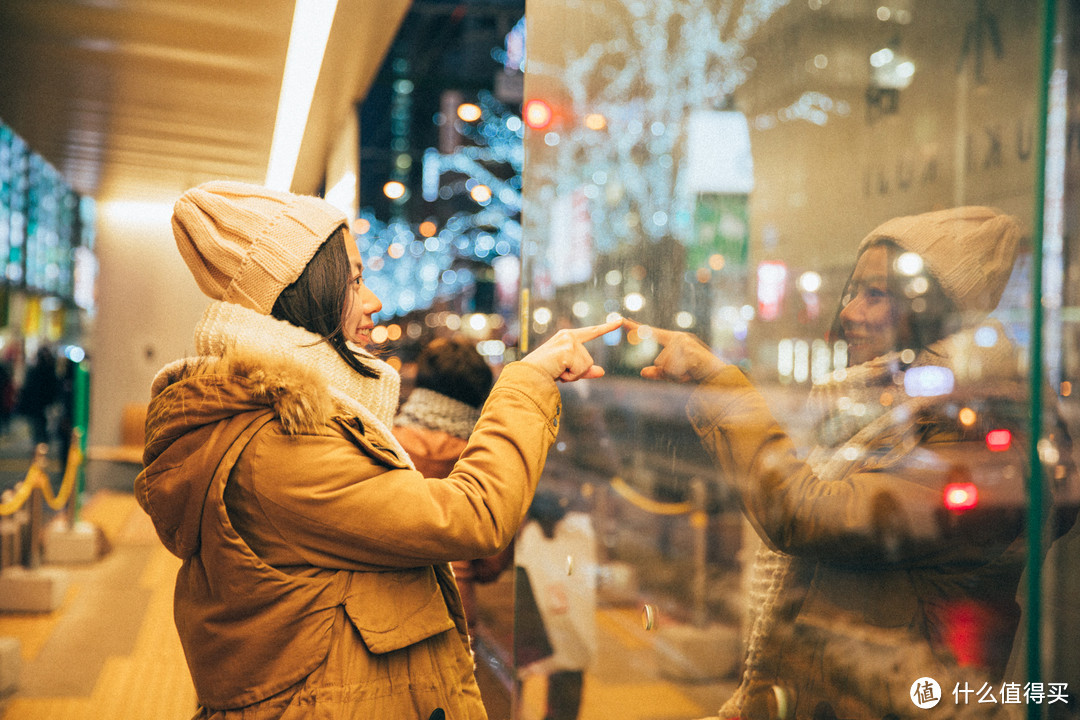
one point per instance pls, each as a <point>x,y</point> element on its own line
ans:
<point>480,193</point>
<point>394,190</point>
<point>595,121</point>
<point>469,112</point>
<point>428,228</point>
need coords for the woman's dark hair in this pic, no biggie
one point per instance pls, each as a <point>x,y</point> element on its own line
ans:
<point>453,367</point>
<point>316,301</point>
<point>921,318</point>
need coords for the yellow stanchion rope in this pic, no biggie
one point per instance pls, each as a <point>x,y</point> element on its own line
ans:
<point>649,505</point>
<point>36,477</point>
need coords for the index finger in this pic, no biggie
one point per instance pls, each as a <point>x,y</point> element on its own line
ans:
<point>591,332</point>
<point>662,336</point>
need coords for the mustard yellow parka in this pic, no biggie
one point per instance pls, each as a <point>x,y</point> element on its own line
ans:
<point>315,581</point>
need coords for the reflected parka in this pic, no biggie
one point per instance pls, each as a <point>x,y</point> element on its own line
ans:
<point>885,585</point>
<point>315,580</point>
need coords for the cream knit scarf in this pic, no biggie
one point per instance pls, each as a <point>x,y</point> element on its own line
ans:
<point>854,408</point>
<point>225,326</point>
<point>434,411</point>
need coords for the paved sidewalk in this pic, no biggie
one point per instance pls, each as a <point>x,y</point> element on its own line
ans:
<point>110,651</point>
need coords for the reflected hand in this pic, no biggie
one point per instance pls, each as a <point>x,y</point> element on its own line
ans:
<point>563,356</point>
<point>685,358</point>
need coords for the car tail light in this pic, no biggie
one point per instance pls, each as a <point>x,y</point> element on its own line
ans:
<point>960,497</point>
<point>998,440</point>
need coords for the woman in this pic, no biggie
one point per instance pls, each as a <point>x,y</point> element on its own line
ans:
<point>315,580</point>
<point>866,582</point>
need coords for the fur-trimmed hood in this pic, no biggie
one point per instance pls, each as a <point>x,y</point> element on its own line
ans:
<point>199,407</point>
<point>298,394</point>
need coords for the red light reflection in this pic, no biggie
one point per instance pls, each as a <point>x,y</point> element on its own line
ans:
<point>998,440</point>
<point>538,114</point>
<point>960,497</point>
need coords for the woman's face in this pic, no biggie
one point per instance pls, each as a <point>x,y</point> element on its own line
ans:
<point>360,302</point>
<point>869,317</point>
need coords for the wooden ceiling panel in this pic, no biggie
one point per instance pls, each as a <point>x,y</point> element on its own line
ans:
<point>141,99</point>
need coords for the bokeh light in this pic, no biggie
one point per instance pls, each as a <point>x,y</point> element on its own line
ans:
<point>538,114</point>
<point>394,190</point>
<point>469,112</point>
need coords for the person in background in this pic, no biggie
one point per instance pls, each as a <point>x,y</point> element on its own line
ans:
<point>433,425</point>
<point>65,400</point>
<point>894,550</point>
<point>556,549</point>
<point>315,579</point>
<point>452,381</point>
<point>38,393</point>
<point>7,395</point>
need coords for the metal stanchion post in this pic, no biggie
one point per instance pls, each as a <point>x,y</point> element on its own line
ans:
<point>37,513</point>
<point>699,522</point>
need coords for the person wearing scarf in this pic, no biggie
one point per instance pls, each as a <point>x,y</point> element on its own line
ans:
<point>315,579</point>
<point>864,583</point>
<point>433,425</point>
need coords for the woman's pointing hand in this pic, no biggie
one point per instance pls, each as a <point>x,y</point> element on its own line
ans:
<point>563,356</point>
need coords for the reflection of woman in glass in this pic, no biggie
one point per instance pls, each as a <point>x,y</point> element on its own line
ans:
<point>867,581</point>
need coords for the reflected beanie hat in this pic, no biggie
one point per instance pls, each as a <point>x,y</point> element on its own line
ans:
<point>970,251</point>
<point>246,243</point>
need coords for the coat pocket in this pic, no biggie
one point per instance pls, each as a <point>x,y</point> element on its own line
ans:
<point>392,610</point>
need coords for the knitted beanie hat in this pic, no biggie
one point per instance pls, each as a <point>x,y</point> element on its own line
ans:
<point>245,243</point>
<point>970,251</point>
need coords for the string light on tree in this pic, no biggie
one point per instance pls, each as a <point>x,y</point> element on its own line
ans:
<point>701,45</point>
<point>418,262</point>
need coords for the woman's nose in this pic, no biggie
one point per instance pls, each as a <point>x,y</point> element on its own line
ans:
<point>851,311</point>
<point>371,302</point>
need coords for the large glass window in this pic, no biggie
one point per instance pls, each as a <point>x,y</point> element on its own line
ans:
<point>833,493</point>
